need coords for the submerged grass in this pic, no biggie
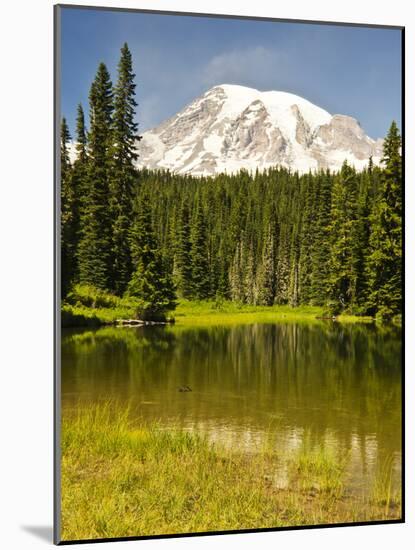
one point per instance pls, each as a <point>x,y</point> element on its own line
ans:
<point>121,478</point>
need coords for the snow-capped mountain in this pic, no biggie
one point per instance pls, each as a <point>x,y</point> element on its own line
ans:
<point>233,127</point>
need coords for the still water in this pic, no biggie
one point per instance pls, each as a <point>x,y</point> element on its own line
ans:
<point>335,385</point>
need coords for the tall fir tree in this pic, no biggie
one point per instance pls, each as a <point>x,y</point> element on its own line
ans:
<point>343,262</point>
<point>385,260</point>
<point>236,274</point>
<point>307,240</point>
<point>222,290</point>
<point>95,247</point>
<point>183,252</point>
<point>151,281</point>
<point>65,139</point>
<point>123,173</point>
<point>362,235</point>
<point>199,255</point>
<point>265,281</point>
<point>79,184</point>
<point>283,265</point>
<point>81,135</point>
<point>67,211</point>
<point>249,275</point>
<point>293,290</point>
<point>81,161</point>
<point>320,251</point>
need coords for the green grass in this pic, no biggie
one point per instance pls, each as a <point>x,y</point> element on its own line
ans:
<point>121,478</point>
<point>319,469</point>
<point>82,316</point>
<point>382,492</point>
<point>87,306</point>
<point>227,313</point>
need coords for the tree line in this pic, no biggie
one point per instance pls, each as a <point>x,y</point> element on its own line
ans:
<point>271,237</point>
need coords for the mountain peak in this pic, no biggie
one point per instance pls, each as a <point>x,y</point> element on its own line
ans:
<point>231,127</point>
<point>235,91</point>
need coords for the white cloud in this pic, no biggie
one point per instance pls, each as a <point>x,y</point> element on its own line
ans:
<point>257,67</point>
<point>168,88</point>
<point>148,112</point>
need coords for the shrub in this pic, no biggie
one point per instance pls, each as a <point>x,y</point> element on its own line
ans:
<point>332,309</point>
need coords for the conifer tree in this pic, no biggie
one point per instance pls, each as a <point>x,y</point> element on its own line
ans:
<point>81,136</point>
<point>385,260</point>
<point>183,251</point>
<point>307,238</point>
<point>199,255</point>
<point>249,276</point>
<point>320,252</point>
<point>79,185</point>
<point>151,282</point>
<point>293,291</point>
<point>67,214</point>
<point>95,254</point>
<point>222,290</point>
<point>236,275</point>
<point>80,167</point>
<point>65,138</point>
<point>343,262</point>
<point>362,235</point>
<point>283,266</point>
<point>265,282</point>
<point>123,173</point>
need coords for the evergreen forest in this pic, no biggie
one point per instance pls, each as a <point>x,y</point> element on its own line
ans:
<point>265,238</point>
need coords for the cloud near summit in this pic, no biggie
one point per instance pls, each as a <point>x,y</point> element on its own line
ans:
<point>255,67</point>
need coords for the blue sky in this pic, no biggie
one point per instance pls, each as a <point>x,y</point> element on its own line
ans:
<point>349,70</point>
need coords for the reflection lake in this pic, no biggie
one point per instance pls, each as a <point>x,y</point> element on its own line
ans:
<point>329,384</point>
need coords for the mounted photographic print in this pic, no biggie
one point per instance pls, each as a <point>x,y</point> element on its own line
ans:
<point>229,289</point>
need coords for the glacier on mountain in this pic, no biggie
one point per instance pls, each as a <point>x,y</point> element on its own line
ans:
<point>233,127</point>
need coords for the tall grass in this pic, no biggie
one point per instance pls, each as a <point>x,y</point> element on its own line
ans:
<point>319,470</point>
<point>383,493</point>
<point>124,478</point>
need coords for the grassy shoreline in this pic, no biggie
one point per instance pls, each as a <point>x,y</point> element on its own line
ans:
<point>124,479</point>
<point>201,313</point>
<point>210,313</point>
